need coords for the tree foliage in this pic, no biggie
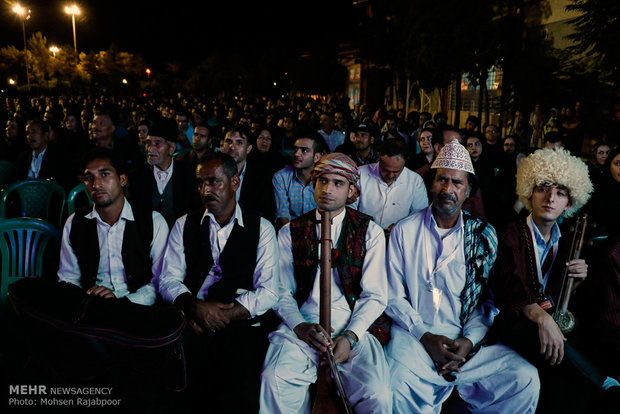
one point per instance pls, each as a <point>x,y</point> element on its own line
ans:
<point>597,32</point>
<point>48,70</point>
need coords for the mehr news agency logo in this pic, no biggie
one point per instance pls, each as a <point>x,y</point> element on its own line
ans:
<point>42,395</point>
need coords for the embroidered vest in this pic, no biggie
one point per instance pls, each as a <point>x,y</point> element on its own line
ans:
<point>135,252</point>
<point>351,248</point>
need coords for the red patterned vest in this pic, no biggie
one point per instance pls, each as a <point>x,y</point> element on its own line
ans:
<point>349,260</point>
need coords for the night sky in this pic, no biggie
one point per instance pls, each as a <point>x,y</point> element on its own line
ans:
<point>184,30</point>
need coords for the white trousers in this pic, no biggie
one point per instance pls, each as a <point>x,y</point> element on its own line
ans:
<point>494,380</point>
<point>291,366</point>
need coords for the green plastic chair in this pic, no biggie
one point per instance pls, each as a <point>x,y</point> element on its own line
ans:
<point>7,171</point>
<point>36,199</point>
<point>76,192</point>
<point>23,247</point>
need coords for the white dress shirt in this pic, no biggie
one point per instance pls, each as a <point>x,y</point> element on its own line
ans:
<point>35,164</point>
<point>334,139</point>
<point>266,274</point>
<point>162,177</point>
<point>111,272</point>
<point>389,204</point>
<point>369,305</point>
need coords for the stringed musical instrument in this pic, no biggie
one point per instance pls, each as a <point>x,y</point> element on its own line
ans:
<point>562,316</point>
<point>330,396</point>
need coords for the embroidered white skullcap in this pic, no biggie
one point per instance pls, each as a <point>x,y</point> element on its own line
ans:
<point>455,157</point>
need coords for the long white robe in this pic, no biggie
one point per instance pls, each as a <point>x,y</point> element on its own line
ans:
<point>426,275</point>
<point>291,364</point>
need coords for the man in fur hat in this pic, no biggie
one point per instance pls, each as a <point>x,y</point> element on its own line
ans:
<point>527,278</point>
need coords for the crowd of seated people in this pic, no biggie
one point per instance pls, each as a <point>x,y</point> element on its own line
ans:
<point>214,206</point>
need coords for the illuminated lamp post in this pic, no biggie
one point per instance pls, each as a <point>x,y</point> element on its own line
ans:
<point>73,10</point>
<point>25,15</point>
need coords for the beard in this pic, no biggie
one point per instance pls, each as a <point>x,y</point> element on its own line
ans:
<point>442,206</point>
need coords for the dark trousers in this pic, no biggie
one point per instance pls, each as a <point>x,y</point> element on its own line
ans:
<point>574,386</point>
<point>224,368</point>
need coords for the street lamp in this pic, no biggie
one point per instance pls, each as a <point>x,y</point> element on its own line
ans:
<point>54,50</point>
<point>73,10</point>
<point>25,15</point>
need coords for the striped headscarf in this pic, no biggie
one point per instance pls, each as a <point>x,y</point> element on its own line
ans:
<point>338,163</point>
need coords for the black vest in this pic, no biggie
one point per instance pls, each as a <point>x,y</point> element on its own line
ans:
<point>135,252</point>
<point>164,203</point>
<point>237,260</point>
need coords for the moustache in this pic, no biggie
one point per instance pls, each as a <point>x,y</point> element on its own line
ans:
<point>208,198</point>
<point>447,197</point>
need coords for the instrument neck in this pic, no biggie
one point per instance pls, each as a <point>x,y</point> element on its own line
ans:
<point>326,271</point>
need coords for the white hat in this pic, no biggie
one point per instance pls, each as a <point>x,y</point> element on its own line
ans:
<point>455,157</point>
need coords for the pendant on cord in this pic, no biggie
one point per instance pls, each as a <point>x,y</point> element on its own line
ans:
<point>335,256</point>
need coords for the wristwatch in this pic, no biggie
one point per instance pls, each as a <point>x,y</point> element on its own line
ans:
<point>351,337</point>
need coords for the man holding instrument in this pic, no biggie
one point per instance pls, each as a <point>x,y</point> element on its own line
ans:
<point>438,263</point>
<point>527,279</point>
<point>358,298</point>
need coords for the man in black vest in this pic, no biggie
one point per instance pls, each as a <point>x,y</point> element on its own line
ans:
<point>221,268</point>
<point>112,249</point>
<point>358,298</point>
<point>165,185</point>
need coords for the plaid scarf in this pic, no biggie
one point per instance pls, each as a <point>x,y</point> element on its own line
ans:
<point>480,253</point>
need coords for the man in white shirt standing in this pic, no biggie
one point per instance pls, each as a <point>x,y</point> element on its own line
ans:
<point>221,269</point>
<point>438,265</point>
<point>112,249</point>
<point>390,191</point>
<point>358,298</point>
